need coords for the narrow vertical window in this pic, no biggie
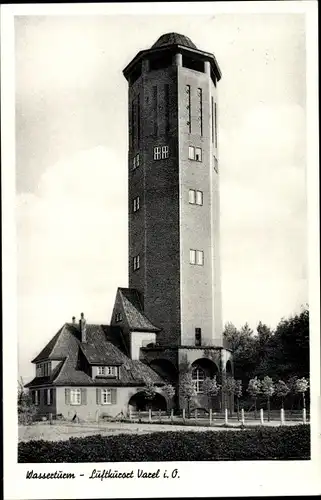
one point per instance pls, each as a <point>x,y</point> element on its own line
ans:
<point>191,196</point>
<point>200,109</point>
<point>138,119</point>
<point>199,258</point>
<point>198,154</point>
<point>191,152</point>
<point>166,108</point>
<point>212,114</point>
<point>198,336</point>
<point>188,107</point>
<point>136,203</point>
<point>192,257</point>
<point>136,263</point>
<point>215,121</point>
<point>155,110</point>
<point>157,153</point>
<point>199,198</point>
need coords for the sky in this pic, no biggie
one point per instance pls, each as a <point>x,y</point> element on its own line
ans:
<point>71,164</point>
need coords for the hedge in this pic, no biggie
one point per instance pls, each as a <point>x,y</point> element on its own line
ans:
<point>266,443</point>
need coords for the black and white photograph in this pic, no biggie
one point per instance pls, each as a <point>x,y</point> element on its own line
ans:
<point>161,301</point>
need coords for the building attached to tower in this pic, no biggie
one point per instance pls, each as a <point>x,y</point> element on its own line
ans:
<point>169,320</point>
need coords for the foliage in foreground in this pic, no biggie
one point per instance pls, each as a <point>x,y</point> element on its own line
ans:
<point>263,443</point>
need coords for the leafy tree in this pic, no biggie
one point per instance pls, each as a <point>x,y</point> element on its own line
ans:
<point>301,387</point>
<point>187,389</point>
<point>254,389</point>
<point>26,408</point>
<point>238,394</point>
<point>228,388</point>
<point>243,346</point>
<point>267,389</point>
<point>149,391</point>
<point>169,391</point>
<point>281,391</point>
<point>211,388</point>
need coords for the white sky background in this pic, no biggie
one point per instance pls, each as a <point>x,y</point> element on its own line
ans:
<point>71,161</point>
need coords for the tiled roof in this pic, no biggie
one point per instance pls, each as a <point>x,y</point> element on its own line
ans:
<point>97,350</point>
<point>134,311</point>
<point>174,39</point>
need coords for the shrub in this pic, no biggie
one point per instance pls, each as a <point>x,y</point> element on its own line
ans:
<point>262,443</point>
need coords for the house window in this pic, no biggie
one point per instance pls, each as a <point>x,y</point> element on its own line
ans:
<point>101,370</point>
<point>136,263</point>
<point>198,336</point>
<point>35,395</point>
<point>38,370</point>
<point>75,396</point>
<point>47,369</point>
<point>105,396</point>
<point>136,204</point>
<point>136,161</point>
<point>48,395</point>
<point>118,317</point>
<point>108,371</point>
<point>196,257</point>
<point>194,153</point>
<point>157,153</point>
<point>195,197</point>
<point>164,152</point>
<point>198,377</point>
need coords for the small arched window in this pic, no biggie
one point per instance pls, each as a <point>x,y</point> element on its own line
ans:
<point>198,377</point>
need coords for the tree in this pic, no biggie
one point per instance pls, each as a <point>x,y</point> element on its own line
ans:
<point>228,389</point>
<point>211,388</point>
<point>169,390</point>
<point>243,346</point>
<point>267,389</point>
<point>149,391</point>
<point>238,394</point>
<point>254,389</point>
<point>301,387</point>
<point>187,389</point>
<point>281,391</point>
<point>26,408</point>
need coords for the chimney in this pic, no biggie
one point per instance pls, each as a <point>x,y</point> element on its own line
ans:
<point>82,325</point>
<point>73,320</point>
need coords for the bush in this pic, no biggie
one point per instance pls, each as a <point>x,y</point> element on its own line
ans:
<point>262,443</point>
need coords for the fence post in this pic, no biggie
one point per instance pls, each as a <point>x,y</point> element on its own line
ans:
<point>304,416</point>
<point>282,416</point>
<point>226,416</point>
<point>50,418</point>
<point>195,414</point>
<point>242,416</point>
<point>130,413</point>
<point>184,415</point>
<point>261,416</point>
<point>160,415</point>
<point>172,415</point>
<point>211,416</point>
<point>149,415</point>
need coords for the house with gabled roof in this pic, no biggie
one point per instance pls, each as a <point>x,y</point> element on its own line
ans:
<point>169,320</point>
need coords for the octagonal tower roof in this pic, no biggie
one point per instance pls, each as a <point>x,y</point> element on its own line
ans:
<point>174,39</point>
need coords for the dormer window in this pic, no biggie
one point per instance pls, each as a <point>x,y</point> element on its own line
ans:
<point>43,369</point>
<point>107,371</point>
<point>118,317</point>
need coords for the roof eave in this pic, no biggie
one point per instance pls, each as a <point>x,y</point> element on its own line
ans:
<point>202,53</point>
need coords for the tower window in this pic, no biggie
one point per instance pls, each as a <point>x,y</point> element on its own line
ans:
<point>164,152</point>
<point>200,109</point>
<point>188,107</point>
<point>161,152</point>
<point>196,257</point>
<point>198,336</point>
<point>136,161</point>
<point>195,197</point>
<point>215,165</point>
<point>136,263</point>
<point>194,153</point>
<point>198,377</point>
<point>136,204</point>
<point>157,153</point>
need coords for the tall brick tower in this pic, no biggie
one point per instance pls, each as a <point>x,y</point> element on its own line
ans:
<point>173,202</point>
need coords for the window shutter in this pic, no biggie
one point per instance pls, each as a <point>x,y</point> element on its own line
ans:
<point>83,396</point>
<point>113,392</point>
<point>67,396</point>
<point>98,396</point>
<point>45,397</point>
